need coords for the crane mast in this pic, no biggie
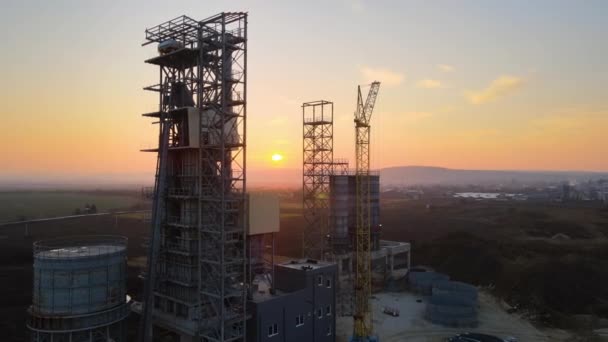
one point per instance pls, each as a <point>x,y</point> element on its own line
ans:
<point>363,316</point>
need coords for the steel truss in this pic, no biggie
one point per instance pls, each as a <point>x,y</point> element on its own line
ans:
<point>199,279</point>
<point>318,149</point>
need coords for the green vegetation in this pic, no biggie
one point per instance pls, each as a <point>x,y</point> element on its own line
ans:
<point>38,204</point>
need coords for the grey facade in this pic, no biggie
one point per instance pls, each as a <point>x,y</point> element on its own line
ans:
<point>342,204</point>
<point>302,307</point>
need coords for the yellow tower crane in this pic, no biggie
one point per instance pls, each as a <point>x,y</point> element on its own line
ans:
<point>363,329</point>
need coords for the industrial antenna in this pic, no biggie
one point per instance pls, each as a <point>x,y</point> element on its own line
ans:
<point>318,165</point>
<point>363,328</point>
<point>196,275</point>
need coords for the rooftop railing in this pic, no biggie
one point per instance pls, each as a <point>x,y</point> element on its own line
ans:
<point>79,246</point>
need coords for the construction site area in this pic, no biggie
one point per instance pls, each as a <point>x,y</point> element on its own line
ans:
<point>204,264</point>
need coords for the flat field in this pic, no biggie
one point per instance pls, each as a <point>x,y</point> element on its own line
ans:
<point>39,204</point>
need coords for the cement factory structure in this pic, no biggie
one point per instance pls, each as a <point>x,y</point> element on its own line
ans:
<point>211,273</point>
<point>196,276</point>
<point>341,209</point>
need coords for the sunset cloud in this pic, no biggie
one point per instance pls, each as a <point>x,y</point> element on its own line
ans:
<point>500,87</point>
<point>445,67</point>
<point>385,76</point>
<point>428,84</point>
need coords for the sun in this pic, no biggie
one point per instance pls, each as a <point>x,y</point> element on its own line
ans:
<point>277,157</point>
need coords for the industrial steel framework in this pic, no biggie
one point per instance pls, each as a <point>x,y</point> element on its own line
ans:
<point>196,274</point>
<point>340,166</point>
<point>363,328</point>
<point>318,150</point>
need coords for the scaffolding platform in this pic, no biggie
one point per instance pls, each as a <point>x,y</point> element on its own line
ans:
<point>180,59</point>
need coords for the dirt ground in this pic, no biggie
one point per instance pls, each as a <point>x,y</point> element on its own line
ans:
<point>412,327</point>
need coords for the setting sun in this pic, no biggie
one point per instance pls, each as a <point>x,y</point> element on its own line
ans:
<point>277,157</point>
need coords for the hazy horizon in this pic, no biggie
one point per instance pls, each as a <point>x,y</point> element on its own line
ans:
<point>271,178</point>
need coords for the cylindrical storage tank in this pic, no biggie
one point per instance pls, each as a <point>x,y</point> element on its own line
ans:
<point>451,315</point>
<point>79,285</point>
<point>452,304</point>
<point>339,215</point>
<point>374,194</point>
<point>463,292</point>
<point>422,282</point>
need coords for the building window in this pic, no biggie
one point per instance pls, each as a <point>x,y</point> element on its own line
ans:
<point>273,330</point>
<point>328,283</point>
<point>320,280</point>
<point>299,320</point>
<point>329,330</point>
<point>328,310</point>
<point>320,313</point>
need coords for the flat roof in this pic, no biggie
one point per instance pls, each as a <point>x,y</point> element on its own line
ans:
<point>305,264</point>
<point>263,293</point>
<point>79,251</point>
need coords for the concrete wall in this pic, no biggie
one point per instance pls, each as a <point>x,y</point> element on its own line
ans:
<point>299,294</point>
<point>263,210</point>
<point>343,212</point>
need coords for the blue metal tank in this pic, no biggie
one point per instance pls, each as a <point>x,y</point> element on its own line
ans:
<point>79,285</point>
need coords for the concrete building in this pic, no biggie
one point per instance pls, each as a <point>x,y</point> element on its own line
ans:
<point>389,259</point>
<point>343,211</point>
<point>292,301</point>
<point>79,292</point>
<point>263,222</point>
<point>387,256</point>
<point>300,306</point>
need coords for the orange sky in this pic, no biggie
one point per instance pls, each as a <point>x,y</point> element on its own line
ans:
<point>475,97</point>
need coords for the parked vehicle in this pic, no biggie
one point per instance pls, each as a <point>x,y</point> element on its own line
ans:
<point>478,337</point>
<point>391,311</point>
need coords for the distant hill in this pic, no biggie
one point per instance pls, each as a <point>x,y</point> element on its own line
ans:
<point>292,178</point>
<point>426,175</point>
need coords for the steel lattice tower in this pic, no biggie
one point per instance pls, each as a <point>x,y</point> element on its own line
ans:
<point>318,150</point>
<point>196,264</point>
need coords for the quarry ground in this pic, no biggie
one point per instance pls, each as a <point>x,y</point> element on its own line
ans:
<point>411,326</point>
